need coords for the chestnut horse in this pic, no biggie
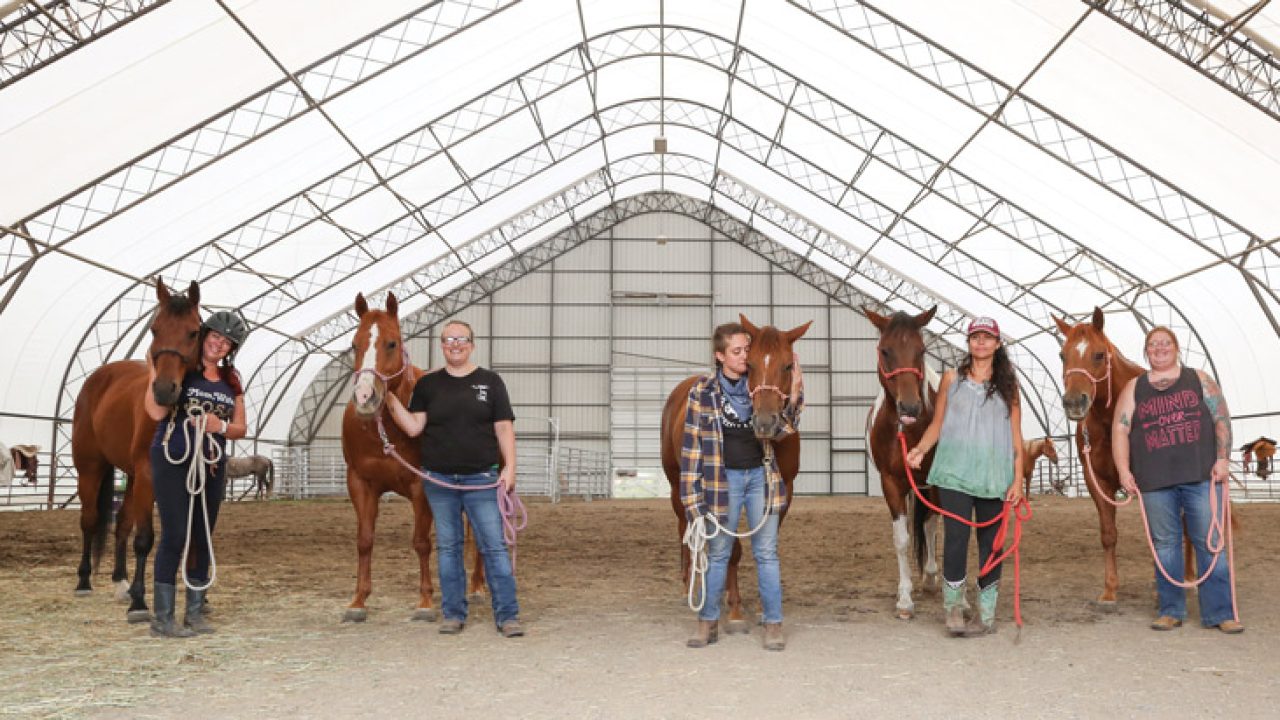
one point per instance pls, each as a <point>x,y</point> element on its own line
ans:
<point>1263,450</point>
<point>908,405</point>
<point>110,429</point>
<point>1031,452</point>
<point>382,366</point>
<point>1093,374</point>
<point>768,366</point>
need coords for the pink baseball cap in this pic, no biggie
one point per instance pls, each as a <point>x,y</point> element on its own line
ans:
<point>986,325</point>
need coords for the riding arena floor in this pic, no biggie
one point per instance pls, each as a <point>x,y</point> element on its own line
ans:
<point>607,621</point>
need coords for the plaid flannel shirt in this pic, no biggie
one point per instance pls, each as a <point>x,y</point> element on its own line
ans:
<point>703,487</point>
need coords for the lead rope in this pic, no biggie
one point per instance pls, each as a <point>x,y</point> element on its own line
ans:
<point>193,429</point>
<point>696,536</point>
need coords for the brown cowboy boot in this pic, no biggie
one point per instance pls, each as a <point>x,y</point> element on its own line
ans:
<point>707,632</point>
<point>773,637</point>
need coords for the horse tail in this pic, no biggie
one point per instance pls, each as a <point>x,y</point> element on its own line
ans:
<point>919,513</point>
<point>102,526</point>
<point>271,477</point>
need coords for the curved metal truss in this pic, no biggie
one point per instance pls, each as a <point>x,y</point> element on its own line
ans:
<point>1188,33</point>
<point>1227,241</point>
<point>119,328</point>
<point>43,31</point>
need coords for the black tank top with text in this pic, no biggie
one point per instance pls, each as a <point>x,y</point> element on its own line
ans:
<point>1171,441</point>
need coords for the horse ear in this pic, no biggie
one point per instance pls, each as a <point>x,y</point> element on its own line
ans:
<point>795,334</point>
<point>923,318</point>
<point>880,321</point>
<point>362,306</point>
<point>1063,325</point>
<point>752,330</point>
<point>1098,318</point>
<point>193,293</point>
<point>162,291</point>
<point>393,307</point>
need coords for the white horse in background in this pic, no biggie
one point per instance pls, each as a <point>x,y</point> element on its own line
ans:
<point>259,467</point>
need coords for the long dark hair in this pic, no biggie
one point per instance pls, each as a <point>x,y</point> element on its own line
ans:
<point>226,367</point>
<point>1003,379</point>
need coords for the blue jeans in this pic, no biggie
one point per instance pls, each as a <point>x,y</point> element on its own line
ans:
<point>1166,510</point>
<point>481,507</point>
<point>746,489</point>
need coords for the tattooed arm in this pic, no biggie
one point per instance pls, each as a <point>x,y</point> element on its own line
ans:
<point>1217,404</point>
<point>1120,427</point>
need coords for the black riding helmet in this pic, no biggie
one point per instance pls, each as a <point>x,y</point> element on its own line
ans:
<point>229,325</point>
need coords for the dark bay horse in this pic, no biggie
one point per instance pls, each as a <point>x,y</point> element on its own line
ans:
<point>382,366</point>
<point>1093,374</point>
<point>768,366</point>
<point>1032,450</point>
<point>110,429</point>
<point>908,404</point>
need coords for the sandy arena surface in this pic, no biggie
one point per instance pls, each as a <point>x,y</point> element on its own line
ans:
<point>606,623</point>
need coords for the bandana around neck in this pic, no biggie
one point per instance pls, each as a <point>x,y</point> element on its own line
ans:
<point>739,397</point>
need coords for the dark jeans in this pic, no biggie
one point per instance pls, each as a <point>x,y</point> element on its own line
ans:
<point>955,549</point>
<point>172,499</point>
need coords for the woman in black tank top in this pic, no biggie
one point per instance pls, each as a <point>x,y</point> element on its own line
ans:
<point>1170,441</point>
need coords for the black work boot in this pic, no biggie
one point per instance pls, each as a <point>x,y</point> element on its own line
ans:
<point>194,617</point>
<point>162,623</point>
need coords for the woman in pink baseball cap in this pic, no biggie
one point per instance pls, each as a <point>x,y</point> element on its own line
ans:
<point>978,430</point>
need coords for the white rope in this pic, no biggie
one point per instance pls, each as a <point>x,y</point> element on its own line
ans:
<point>193,429</point>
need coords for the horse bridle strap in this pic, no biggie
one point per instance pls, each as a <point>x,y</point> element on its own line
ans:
<point>1095,380</point>
<point>890,374</point>
<point>155,354</point>
<point>404,365</point>
<point>773,388</point>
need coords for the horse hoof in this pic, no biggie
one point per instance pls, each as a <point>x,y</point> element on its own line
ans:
<point>1106,606</point>
<point>122,591</point>
<point>734,627</point>
<point>86,592</point>
<point>357,615</point>
<point>905,614</point>
<point>426,615</point>
<point>136,617</point>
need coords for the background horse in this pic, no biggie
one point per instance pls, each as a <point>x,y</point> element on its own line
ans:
<point>1091,364</point>
<point>382,366</point>
<point>768,365</point>
<point>21,460</point>
<point>1031,452</point>
<point>259,467</point>
<point>908,403</point>
<point>111,430</point>
<point>1262,451</point>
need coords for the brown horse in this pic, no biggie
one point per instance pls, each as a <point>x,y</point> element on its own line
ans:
<point>25,460</point>
<point>382,366</point>
<point>908,404</point>
<point>1031,452</point>
<point>1094,373</point>
<point>1262,451</point>
<point>110,429</point>
<point>769,366</point>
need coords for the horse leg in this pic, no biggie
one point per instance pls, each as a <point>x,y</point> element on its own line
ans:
<point>1111,575</point>
<point>92,523</point>
<point>366,505</point>
<point>143,540</point>
<point>476,587</point>
<point>422,545</point>
<point>736,621</point>
<point>906,608</point>
<point>931,580</point>
<point>120,566</point>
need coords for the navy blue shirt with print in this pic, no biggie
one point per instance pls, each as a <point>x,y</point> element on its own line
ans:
<point>459,438</point>
<point>213,397</point>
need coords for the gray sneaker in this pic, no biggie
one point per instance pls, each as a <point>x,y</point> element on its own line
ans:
<point>450,626</point>
<point>511,628</point>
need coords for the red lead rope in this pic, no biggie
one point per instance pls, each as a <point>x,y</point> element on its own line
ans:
<point>1020,512</point>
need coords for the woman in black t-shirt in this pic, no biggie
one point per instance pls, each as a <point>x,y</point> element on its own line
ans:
<point>469,440</point>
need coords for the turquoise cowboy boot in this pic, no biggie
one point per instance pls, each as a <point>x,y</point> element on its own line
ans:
<point>954,604</point>
<point>985,622</point>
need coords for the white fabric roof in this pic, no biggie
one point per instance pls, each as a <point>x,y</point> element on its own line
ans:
<point>175,144</point>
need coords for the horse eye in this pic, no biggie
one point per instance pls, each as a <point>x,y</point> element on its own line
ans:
<point>1097,357</point>
<point>391,345</point>
<point>194,334</point>
<point>1062,356</point>
<point>884,352</point>
<point>788,367</point>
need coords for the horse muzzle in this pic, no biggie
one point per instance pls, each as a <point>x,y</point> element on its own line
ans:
<point>908,412</point>
<point>1076,405</point>
<point>165,392</point>
<point>767,426</point>
<point>367,398</point>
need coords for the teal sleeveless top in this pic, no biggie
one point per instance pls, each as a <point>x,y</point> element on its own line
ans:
<point>975,446</point>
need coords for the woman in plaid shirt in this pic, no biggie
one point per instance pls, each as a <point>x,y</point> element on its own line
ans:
<point>723,471</point>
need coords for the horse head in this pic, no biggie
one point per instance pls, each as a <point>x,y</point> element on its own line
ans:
<point>175,340</point>
<point>1087,362</point>
<point>769,364</point>
<point>380,355</point>
<point>900,360</point>
<point>1050,450</point>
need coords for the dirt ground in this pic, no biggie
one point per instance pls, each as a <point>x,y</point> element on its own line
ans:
<point>607,622</point>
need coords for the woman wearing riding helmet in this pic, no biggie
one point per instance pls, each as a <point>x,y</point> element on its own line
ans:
<point>212,396</point>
